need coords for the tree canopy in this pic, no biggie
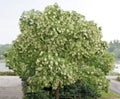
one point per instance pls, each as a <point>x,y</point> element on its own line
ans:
<point>59,47</point>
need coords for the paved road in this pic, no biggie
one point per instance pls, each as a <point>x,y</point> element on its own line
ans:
<point>111,77</point>
<point>114,85</point>
<point>10,87</point>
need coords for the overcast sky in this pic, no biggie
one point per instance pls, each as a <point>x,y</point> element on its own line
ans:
<point>104,12</point>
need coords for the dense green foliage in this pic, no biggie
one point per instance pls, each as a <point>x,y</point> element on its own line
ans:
<point>90,85</point>
<point>58,48</point>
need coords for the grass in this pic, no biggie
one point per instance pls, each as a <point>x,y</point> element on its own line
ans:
<point>1,61</point>
<point>110,95</point>
<point>7,74</point>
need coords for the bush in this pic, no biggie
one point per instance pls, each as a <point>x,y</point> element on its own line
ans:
<point>118,78</point>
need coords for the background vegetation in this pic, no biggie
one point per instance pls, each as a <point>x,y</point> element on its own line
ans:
<point>114,48</point>
<point>3,49</point>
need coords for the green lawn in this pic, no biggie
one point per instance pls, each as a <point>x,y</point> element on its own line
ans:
<point>110,95</point>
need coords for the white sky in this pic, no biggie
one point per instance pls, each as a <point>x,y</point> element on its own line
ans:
<point>104,12</point>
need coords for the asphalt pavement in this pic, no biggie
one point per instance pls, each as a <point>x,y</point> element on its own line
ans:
<point>114,84</point>
<point>10,87</point>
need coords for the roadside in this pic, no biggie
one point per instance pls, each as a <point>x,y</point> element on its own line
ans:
<point>10,88</point>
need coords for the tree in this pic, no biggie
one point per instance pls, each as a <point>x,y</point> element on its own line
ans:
<point>54,49</point>
<point>3,49</point>
<point>114,48</point>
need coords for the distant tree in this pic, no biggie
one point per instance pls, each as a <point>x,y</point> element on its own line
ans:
<point>3,49</point>
<point>57,48</point>
<point>114,48</point>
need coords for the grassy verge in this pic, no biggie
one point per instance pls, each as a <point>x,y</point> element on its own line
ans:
<point>7,74</point>
<point>110,95</point>
<point>1,61</point>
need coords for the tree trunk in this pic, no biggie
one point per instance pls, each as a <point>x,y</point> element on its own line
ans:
<point>57,91</point>
<point>50,93</point>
